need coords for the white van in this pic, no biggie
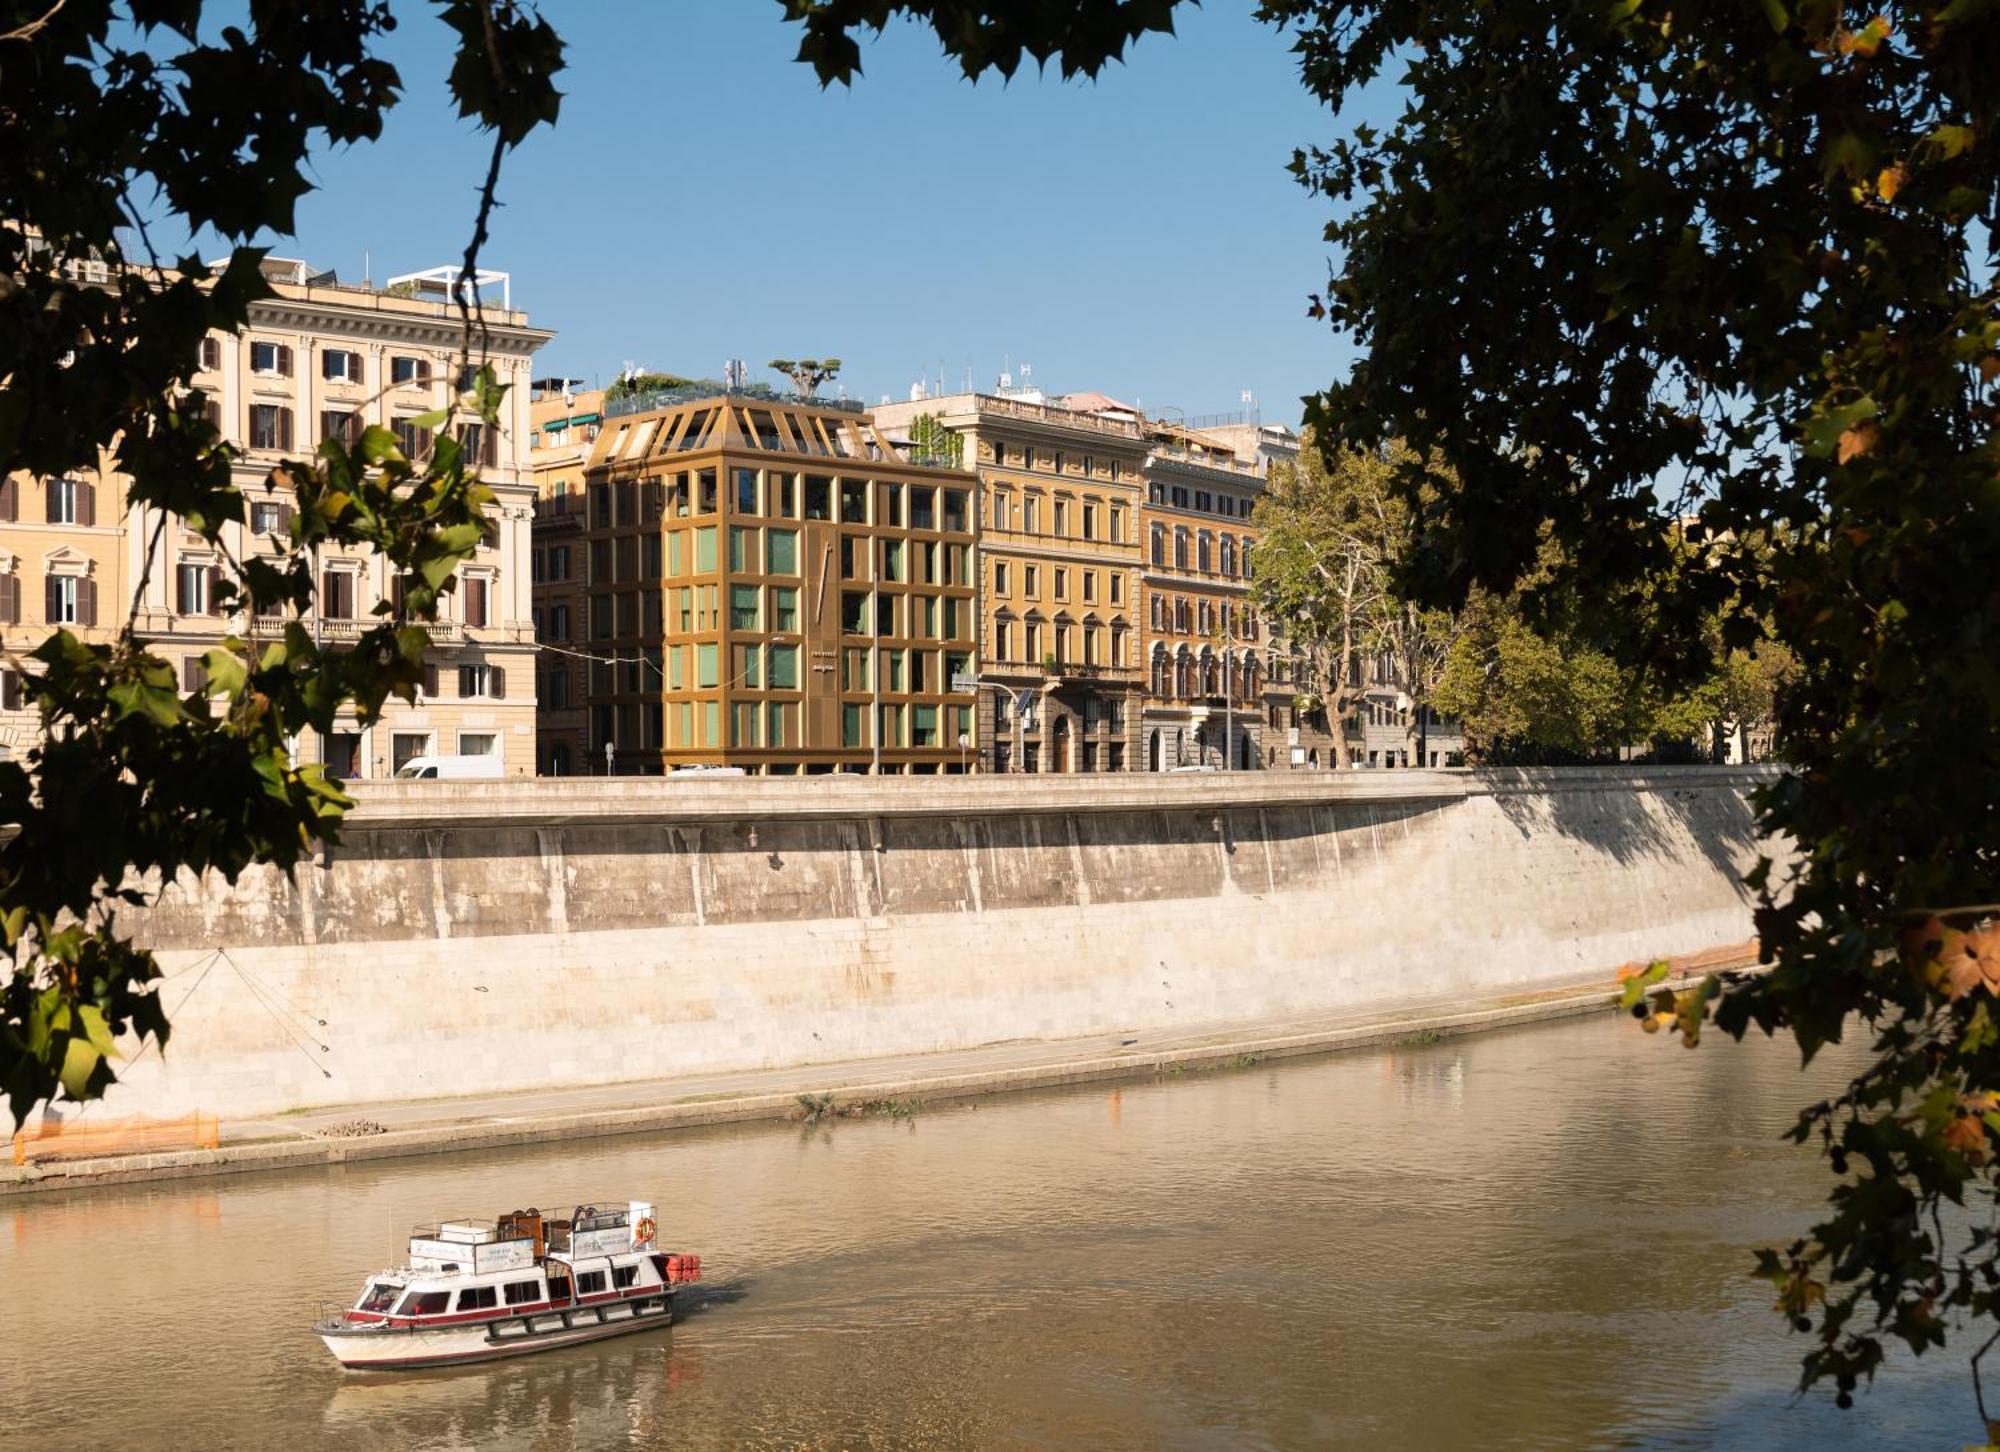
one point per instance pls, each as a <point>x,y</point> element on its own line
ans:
<point>450,768</point>
<point>699,770</point>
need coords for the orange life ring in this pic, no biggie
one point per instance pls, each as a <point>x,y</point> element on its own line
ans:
<point>646,1228</point>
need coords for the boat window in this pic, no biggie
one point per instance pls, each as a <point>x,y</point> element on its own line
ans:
<point>623,1275</point>
<point>477,1298</point>
<point>380,1296</point>
<point>519,1293</point>
<point>424,1303</point>
<point>590,1283</point>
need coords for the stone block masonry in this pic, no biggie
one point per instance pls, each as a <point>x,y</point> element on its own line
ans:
<point>476,937</point>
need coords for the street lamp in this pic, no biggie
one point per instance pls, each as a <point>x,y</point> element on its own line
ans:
<point>610,753</point>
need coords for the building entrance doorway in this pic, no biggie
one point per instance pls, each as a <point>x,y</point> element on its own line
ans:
<point>1153,762</point>
<point>1059,750</point>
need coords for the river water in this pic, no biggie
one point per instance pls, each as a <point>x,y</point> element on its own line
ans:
<point>1531,1239</point>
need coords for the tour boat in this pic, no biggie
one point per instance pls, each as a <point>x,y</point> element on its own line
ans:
<point>477,1290</point>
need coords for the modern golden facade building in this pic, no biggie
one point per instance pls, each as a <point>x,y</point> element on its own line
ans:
<point>1059,542</point>
<point>318,359</point>
<point>774,586</point>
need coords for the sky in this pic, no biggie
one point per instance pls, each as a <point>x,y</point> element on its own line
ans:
<point>703,199</point>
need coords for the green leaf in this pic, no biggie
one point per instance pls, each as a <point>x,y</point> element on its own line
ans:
<point>92,1020</point>
<point>1821,434</point>
<point>80,1061</point>
<point>227,673</point>
<point>435,419</point>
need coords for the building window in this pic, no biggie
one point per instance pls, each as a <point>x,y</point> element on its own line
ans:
<point>1117,588</point>
<point>413,439</point>
<point>999,577</point>
<point>784,608</point>
<point>70,600</point>
<point>1062,584</point>
<point>783,662</point>
<point>1030,581</point>
<point>71,501</point>
<point>478,743</point>
<point>478,590</point>
<point>743,607</point>
<point>340,366</point>
<point>342,425</point>
<point>270,426</point>
<point>194,592</point>
<point>1061,514</point>
<point>273,360</point>
<point>211,354</point>
<point>1159,544</point>
<point>781,552</point>
<point>481,681</point>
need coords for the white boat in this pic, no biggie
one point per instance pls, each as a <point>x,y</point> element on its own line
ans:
<point>477,1290</point>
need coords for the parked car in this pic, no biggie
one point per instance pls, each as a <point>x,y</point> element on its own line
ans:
<point>450,768</point>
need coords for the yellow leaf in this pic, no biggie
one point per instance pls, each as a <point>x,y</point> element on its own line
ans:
<point>1989,367</point>
<point>1891,181</point>
<point>1859,440</point>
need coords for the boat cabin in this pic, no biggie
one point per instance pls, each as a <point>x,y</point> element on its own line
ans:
<point>523,1262</point>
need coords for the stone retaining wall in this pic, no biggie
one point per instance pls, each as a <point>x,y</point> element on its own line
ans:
<point>470,937</point>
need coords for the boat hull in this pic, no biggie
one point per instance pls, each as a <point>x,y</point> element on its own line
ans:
<point>400,1348</point>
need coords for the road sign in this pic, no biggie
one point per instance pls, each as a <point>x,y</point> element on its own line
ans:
<point>960,681</point>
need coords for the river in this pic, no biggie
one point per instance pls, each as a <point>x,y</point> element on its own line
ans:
<point>1530,1239</point>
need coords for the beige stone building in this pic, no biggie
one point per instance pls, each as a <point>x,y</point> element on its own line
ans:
<point>566,421</point>
<point>63,562</point>
<point>318,359</point>
<point>1204,671</point>
<point>1059,488</point>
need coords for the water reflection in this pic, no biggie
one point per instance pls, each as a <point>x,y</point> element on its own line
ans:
<point>1531,1239</point>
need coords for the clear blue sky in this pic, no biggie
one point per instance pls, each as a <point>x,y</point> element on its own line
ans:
<point>703,199</point>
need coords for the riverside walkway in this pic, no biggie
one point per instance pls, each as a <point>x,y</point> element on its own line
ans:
<point>420,1127</point>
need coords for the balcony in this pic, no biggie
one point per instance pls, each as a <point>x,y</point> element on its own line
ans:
<point>334,632</point>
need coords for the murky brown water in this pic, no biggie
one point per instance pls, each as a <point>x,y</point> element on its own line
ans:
<point>1534,1239</point>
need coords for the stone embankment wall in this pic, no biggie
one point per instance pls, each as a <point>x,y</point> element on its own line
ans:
<point>469,937</point>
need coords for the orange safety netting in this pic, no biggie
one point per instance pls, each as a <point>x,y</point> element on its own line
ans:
<point>136,1134</point>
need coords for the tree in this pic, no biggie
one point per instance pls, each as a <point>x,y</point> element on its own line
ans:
<point>933,443</point>
<point>807,374</point>
<point>627,385</point>
<point>1732,264</point>
<point>1318,575</point>
<point>99,339</point>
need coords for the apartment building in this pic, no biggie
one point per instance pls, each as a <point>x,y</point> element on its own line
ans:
<point>63,562</point>
<point>773,585</point>
<point>1205,680</point>
<point>1059,494</point>
<point>322,359</point>
<point>565,422</point>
